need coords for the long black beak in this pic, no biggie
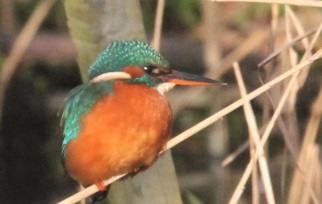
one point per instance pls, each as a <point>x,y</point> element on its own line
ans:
<point>182,78</point>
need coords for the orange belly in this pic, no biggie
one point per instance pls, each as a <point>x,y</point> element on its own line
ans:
<point>124,131</point>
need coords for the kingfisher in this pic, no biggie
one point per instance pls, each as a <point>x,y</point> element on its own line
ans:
<point>120,120</point>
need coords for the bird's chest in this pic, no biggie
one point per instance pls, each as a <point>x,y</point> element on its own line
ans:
<point>131,109</point>
<point>124,129</point>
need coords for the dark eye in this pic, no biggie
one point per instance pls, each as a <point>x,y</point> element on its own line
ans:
<point>149,69</point>
<point>156,71</point>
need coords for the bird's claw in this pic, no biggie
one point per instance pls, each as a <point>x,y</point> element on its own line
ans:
<point>100,185</point>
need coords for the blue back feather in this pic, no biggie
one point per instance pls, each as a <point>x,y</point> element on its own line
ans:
<point>79,102</point>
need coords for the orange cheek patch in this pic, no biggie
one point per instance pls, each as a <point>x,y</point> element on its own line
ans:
<point>134,71</point>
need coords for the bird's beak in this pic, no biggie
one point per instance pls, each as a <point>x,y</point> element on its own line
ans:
<point>182,78</point>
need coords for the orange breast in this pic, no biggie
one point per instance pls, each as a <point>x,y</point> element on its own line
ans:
<point>123,131</point>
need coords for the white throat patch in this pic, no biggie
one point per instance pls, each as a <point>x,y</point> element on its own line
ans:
<point>165,87</point>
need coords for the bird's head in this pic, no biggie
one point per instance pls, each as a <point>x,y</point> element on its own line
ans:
<point>138,62</point>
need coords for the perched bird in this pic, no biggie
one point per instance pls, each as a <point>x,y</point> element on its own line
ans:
<point>120,120</point>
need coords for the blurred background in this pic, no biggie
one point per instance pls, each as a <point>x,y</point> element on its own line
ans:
<point>199,37</point>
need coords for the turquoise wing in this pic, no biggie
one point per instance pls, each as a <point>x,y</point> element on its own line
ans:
<point>78,102</point>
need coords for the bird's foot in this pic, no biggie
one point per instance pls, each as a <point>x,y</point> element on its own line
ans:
<point>136,170</point>
<point>100,185</point>
<point>140,168</point>
<point>101,194</point>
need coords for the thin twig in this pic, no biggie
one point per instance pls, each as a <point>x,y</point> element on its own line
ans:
<point>231,157</point>
<point>158,25</point>
<point>288,45</point>
<point>309,139</point>
<point>297,24</point>
<point>255,137</point>
<point>88,191</point>
<point>312,169</point>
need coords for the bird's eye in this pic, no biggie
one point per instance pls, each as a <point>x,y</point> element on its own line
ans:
<point>149,69</point>
<point>156,71</point>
